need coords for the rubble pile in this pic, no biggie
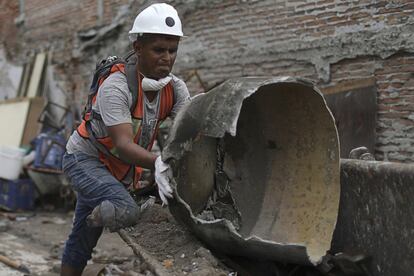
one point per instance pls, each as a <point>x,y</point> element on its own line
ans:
<point>221,204</point>
<point>172,245</point>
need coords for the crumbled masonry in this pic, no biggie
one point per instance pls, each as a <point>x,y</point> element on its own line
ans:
<point>221,204</point>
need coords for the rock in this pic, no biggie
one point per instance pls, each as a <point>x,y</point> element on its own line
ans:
<point>132,273</point>
<point>208,271</point>
<point>206,254</point>
<point>56,251</point>
<point>168,263</point>
<point>56,267</point>
<point>149,273</point>
<point>4,225</point>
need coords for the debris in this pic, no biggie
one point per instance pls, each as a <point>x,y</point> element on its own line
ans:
<point>104,257</point>
<point>132,273</point>
<point>221,204</point>
<point>9,216</point>
<point>54,220</point>
<point>21,218</point>
<point>168,263</point>
<point>146,204</point>
<point>205,254</point>
<point>56,267</point>
<point>4,225</point>
<point>113,269</point>
<point>16,217</point>
<point>14,264</point>
<point>206,215</point>
<point>56,251</point>
<point>170,244</point>
<point>94,270</point>
<point>149,273</point>
<point>142,254</point>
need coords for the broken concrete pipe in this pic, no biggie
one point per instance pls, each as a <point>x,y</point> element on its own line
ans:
<point>256,169</point>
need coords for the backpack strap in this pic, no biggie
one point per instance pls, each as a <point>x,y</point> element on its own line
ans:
<point>132,78</point>
<point>94,141</point>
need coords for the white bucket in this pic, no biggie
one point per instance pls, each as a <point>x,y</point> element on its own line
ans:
<point>11,162</point>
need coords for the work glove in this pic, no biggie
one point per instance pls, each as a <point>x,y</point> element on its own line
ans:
<point>162,178</point>
<point>111,58</point>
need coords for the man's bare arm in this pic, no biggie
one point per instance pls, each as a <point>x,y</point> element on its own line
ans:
<point>129,152</point>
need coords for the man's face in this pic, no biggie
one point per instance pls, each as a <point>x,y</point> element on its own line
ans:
<point>156,55</point>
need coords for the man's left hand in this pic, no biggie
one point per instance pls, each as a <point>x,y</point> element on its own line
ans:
<point>162,178</point>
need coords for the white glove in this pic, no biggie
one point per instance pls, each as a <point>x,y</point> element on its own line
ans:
<point>162,178</point>
<point>111,58</point>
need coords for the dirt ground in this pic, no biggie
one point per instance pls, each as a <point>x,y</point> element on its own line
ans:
<point>174,246</point>
<point>36,240</point>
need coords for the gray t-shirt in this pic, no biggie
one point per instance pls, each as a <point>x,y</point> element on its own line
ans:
<point>113,103</point>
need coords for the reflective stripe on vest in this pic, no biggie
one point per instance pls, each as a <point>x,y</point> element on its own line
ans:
<point>116,166</point>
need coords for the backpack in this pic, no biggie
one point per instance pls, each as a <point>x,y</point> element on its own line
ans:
<point>102,71</point>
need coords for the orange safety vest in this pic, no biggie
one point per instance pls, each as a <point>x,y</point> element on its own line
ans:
<point>114,164</point>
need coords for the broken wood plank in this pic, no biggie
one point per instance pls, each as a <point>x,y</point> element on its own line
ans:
<point>153,265</point>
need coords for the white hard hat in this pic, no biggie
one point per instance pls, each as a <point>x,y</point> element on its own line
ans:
<point>157,19</point>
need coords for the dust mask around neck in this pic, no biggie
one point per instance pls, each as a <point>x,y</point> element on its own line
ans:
<point>155,85</point>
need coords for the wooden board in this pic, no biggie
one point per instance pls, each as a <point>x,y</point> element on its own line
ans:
<point>355,113</point>
<point>19,120</point>
<point>24,83</point>
<point>36,76</point>
<point>13,116</point>
<point>32,126</point>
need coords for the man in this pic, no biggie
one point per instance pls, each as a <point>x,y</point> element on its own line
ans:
<point>112,148</point>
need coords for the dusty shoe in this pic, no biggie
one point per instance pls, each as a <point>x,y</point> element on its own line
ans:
<point>95,218</point>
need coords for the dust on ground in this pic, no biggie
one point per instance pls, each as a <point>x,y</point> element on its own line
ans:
<point>173,245</point>
<point>36,240</point>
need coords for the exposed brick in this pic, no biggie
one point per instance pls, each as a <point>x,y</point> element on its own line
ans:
<point>246,36</point>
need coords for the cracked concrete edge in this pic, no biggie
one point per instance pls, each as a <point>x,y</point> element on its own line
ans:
<point>153,265</point>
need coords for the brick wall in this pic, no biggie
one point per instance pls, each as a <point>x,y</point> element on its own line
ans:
<point>328,41</point>
<point>331,42</point>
